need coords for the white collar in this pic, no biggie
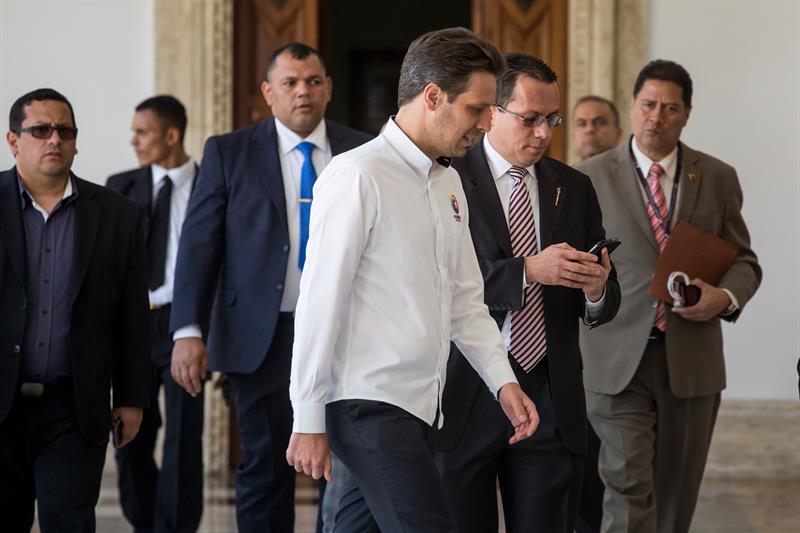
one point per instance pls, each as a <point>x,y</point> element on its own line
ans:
<point>668,163</point>
<point>178,175</point>
<point>288,140</point>
<point>497,163</point>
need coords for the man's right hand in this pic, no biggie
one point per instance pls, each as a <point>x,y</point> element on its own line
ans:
<point>559,264</point>
<point>189,364</point>
<point>309,453</point>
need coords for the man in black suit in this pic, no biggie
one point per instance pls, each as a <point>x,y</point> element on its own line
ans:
<point>238,272</point>
<point>172,499</point>
<point>530,217</point>
<point>74,323</point>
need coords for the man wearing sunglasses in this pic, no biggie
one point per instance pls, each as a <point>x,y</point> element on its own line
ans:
<point>530,219</point>
<point>74,323</point>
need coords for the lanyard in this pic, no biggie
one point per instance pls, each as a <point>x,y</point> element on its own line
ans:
<point>665,224</point>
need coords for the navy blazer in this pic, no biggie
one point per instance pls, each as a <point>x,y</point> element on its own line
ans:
<point>234,244</point>
<point>575,219</point>
<point>109,334</point>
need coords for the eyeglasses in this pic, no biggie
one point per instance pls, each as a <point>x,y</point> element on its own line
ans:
<point>44,131</point>
<point>553,120</point>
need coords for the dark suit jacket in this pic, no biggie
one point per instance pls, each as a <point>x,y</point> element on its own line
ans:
<point>137,184</point>
<point>576,220</point>
<point>108,330</point>
<point>235,244</point>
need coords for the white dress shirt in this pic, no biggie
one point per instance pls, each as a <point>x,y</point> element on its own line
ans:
<point>667,181</point>
<point>291,164</point>
<point>391,278</point>
<point>182,178</point>
<point>499,168</point>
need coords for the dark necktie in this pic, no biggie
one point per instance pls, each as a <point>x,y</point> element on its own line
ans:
<point>158,235</point>
<point>528,339</point>
<point>307,178</point>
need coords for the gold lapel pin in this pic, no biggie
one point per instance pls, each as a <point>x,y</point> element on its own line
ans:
<point>692,176</point>
<point>558,194</point>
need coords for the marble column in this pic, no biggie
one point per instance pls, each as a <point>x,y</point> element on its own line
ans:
<point>193,61</point>
<point>607,48</point>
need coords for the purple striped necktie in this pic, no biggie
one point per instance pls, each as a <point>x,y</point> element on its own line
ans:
<point>528,339</point>
<point>657,193</point>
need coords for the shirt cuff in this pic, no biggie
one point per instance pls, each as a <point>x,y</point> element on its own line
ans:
<point>499,374</point>
<point>734,304</point>
<point>192,330</point>
<point>308,417</point>
<point>593,309</point>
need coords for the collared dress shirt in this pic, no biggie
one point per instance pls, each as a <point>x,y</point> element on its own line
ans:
<point>667,181</point>
<point>391,278</point>
<point>182,179</point>
<point>499,168</point>
<point>50,247</point>
<point>291,163</point>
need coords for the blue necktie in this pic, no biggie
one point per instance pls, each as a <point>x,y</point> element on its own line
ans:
<point>307,178</point>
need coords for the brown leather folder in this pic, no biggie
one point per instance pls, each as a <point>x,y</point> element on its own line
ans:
<point>698,254</point>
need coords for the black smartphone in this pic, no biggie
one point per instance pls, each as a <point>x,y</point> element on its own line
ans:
<point>608,244</point>
<point>116,432</point>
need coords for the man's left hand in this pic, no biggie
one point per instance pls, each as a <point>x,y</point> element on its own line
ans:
<point>593,289</point>
<point>712,302</point>
<point>520,411</point>
<point>131,420</point>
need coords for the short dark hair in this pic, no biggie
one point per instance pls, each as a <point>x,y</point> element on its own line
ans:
<point>600,100</point>
<point>168,109</point>
<point>664,70</point>
<point>297,51</point>
<point>17,113</point>
<point>518,65</point>
<point>446,58</point>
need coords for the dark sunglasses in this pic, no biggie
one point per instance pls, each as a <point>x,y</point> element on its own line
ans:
<point>553,120</point>
<point>43,131</point>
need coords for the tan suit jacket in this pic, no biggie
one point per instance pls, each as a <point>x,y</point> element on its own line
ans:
<point>710,200</point>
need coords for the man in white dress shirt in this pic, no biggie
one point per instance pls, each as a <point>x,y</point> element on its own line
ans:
<point>169,499</point>
<point>391,279</point>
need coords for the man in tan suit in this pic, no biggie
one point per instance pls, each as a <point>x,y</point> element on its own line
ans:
<point>653,376</point>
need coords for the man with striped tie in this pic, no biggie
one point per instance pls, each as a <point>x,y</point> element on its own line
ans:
<point>530,217</point>
<point>653,378</point>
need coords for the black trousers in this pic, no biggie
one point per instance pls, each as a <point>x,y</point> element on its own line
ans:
<point>264,480</point>
<point>44,458</point>
<point>385,449</point>
<point>590,511</point>
<point>169,500</point>
<point>539,478</point>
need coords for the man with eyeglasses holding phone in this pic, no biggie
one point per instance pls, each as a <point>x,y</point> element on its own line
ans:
<point>74,323</point>
<point>530,219</point>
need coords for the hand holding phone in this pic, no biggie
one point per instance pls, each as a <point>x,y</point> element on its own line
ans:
<point>608,244</point>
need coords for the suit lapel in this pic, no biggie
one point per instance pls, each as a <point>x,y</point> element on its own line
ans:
<point>141,190</point>
<point>689,184</point>
<point>266,164</point>
<point>552,195</point>
<point>336,137</point>
<point>12,231</point>
<point>628,183</point>
<point>479,185</point>
<point>87,218</point>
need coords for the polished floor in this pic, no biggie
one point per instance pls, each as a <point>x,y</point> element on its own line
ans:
<point>752,482</point>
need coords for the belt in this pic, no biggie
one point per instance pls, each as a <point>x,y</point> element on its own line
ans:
<point>32,389</point>
<point>158,307</point>
<point>656,335</point>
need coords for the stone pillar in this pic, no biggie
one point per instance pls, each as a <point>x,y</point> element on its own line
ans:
<point>607,48</point>
<point>193,61</point>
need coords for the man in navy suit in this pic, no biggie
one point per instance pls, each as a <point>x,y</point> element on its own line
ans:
<point>238,271</point>
<point>170,500</point>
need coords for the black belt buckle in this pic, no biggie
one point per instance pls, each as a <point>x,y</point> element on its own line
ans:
<point>32,390</point>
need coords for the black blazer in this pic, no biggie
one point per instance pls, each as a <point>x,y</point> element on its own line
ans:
<point>576,220</point>
<point>235,242</point>
<point>137,184</point>
<point>109,328</point>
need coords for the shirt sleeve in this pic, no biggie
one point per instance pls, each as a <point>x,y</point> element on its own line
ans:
<point>342,217</point>
<point>472,329</point>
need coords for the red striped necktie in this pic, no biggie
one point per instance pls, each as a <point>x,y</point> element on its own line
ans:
<point>658,222</point>
<point>528,338</point>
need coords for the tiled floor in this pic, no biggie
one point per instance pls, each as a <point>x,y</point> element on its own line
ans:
<point>725,506</point>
